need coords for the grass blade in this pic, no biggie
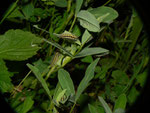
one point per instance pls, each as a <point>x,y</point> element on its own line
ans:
<point>105,105</point>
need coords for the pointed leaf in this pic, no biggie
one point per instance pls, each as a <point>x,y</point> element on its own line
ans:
<point>91,51</point>
<point>78,5</point>
<point>66,81</point>
<point>89,74</point>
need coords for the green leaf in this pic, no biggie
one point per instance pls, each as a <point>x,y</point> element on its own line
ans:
<point>120,77</point>
<point>132,96</point>
<point>10,9</point>
<point>119,110</point>
<point>78,5</point>
<point>87,59</point>
<point>60,3</point>
<point>88,21</point>
<point>66,81</point>
<point>59,47</point>
<point>28,10</point>
<point>28,103</point>
<point>105,105</point>
<point>60,96</point>
<point>40,78</point>
<point>89,75</point>
<point>104,13</point>
<point>92,109</point>
<point>5,81</point>
<point>85,37</point>
<point>121,102</point>
<point>18,45</point>
<point>141,78</point>
<point>91,51</point>
<point>16,13</point>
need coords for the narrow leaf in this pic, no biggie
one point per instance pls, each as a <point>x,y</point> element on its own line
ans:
<point>105,105</point>
<point>89,74</point>
<point>40,78</point>
<point>18,45</point>
<point>91,51</point>
<point>66,81</point>
<point>59,47</point>
<point>78,5</point>
<point>85,37</point>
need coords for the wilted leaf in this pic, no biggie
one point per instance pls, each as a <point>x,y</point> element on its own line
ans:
<point>18,45</point>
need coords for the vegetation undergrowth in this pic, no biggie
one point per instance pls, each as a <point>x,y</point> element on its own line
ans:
<point>72,56</point>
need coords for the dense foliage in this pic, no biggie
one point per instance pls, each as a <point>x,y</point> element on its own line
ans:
<point>72,56</point>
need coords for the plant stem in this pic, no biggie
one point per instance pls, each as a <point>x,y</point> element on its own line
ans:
<point>22,81</point>
<point>74,20</point>
<point>72,108</point>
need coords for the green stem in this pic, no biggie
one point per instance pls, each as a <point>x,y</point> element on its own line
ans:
<point>69,5</point>
<point>72,108</point>
<point>74,20</point>
<point>22,81</point>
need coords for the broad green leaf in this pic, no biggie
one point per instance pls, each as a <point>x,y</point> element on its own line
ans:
<point>78,6</point>
<point>121,102</point>
<point>18,45</point>
<point>104,13</point>
<point>92,109</point>
<point>88,21</point>
<point>5,81</point>
<point>28,103</point>
<point>66,81</point>
<point>89,75</point>
<point>91,51</point>
<point>85,37</point>
<point>105,105</point>
<point>40,78</point>
<point>60,3</point>
<point>28,10</point>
